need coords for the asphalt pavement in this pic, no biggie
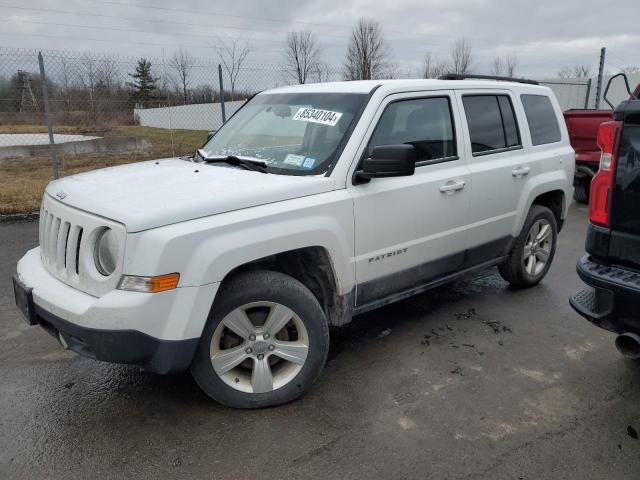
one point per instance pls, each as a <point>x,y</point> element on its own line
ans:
<point>471,380</point>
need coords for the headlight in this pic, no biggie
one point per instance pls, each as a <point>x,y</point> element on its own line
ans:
<point>106,252</point>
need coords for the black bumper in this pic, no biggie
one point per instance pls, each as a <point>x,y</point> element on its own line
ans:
<point>120,346</point>
<point>613,300</point>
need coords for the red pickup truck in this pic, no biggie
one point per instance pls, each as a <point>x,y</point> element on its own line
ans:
<point>583,131</point>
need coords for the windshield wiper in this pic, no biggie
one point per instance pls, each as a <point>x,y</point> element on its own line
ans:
<point>253,165</point>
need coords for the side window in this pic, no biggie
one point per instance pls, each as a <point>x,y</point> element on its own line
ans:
<point>542,120</point>
<point>425,123</point>
<point>492,122</point>
<point>511,134</point>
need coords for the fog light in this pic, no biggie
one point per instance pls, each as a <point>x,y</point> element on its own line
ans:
<point>159,283</point>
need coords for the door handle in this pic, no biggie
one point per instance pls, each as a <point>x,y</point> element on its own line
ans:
<point>452,187</point>
<point>520,172</point>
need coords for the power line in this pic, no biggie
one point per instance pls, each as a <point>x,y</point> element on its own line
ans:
<point>193,24</point>
<point>140,19</point>
<point>119,29</point>
<point>244,17</point>
<point>269,19</point>
<point>110,40</point>
<point>190,24</point>
<point>158,44</point>
<point>151,32</point>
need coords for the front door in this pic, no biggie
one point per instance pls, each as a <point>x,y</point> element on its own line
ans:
<point>410,229</point>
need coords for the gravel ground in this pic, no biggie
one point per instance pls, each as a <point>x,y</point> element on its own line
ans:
<point>472,380</point>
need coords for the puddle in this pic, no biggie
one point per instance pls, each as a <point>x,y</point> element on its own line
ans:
<point>68,145</point>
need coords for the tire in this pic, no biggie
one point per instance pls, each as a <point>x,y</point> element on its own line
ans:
<point>522,271</point>
<point>260,364</point>
<point>581,190</point>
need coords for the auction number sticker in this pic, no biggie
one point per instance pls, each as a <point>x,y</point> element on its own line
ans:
<point>315,115</point>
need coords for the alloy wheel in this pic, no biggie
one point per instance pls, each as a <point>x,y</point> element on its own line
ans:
<point>259,347</point>
<point>537,248</point>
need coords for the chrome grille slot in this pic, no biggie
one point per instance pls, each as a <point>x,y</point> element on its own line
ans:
<point>73,250</point>
<point>77,263</point>
<point>61,244</point>
<point>53,248</point>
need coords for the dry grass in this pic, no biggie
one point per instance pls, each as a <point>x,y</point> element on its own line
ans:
<point>22,181</point>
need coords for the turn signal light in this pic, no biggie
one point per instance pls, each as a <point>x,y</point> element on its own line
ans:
<point>159,283</point>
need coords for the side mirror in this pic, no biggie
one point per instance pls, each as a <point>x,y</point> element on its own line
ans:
<point>388,161</point>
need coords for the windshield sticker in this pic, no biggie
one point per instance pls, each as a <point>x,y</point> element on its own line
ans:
<point>308,163</point>
<point>292,159</point>
<point>315,115</point>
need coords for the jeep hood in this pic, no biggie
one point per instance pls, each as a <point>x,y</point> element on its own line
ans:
<point>152,194</point>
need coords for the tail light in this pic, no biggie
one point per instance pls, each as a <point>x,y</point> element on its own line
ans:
<point>602,183</point>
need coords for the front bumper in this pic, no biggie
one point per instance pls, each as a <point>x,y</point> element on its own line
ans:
<point>613,300</point>
<point>158,331</point>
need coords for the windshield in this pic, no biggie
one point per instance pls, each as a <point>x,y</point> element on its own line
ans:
<point>293,133</point>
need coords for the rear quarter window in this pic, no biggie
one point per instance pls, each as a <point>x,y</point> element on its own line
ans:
<point>542,120</point>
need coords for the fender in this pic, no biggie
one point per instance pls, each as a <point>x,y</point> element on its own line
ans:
<point>205,250</point>
<point>543,183</point>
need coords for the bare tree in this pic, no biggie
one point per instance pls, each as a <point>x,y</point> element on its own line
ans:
<point>232,55</point>
<point>511,63</point>
<point>320,72</point>
<point>367,53</point>
<point>106,83</point>
<point>182,63</point>
<point>504,66</point>
<point>577,71</point>
<point>497,67</point>
<point>630,69</point>
<point>107,74</point>
<point>301,54</point>
<point>433,68</point>
<point>65,91</point>
<point>88,77</point>
<point>461,56</point>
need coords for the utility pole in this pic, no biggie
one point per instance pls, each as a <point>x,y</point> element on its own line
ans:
<point>603,51</point>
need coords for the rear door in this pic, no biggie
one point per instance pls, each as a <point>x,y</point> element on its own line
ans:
<point>410,229</point>
<point>499,167</point>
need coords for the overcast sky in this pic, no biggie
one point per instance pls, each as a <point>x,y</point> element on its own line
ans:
<point>545,34</point>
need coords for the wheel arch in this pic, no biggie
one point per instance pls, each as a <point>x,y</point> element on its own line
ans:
<point>313,267</point>
<point>555,201</point>
<point>552,190</point>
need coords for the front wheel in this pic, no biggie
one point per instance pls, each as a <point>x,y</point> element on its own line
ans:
<point>265,342</point>
<point>533,250</point>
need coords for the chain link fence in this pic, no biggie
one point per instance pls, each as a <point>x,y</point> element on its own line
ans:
<point>106,105</point>
<point>81,111</point>
<point>107,110</point>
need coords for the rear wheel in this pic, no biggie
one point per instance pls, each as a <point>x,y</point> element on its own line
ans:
<point>533,250</point>
<point>581,190</point>
<point>265,342</point>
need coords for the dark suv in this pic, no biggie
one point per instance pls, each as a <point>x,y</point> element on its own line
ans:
<point>611,267</point>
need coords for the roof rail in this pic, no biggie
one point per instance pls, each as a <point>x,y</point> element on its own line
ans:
<point>463,76</point>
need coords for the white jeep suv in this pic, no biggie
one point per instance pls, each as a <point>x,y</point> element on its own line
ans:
<point>312,204</point>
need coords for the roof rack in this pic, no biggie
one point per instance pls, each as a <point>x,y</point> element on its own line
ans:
<point>463,76</point>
